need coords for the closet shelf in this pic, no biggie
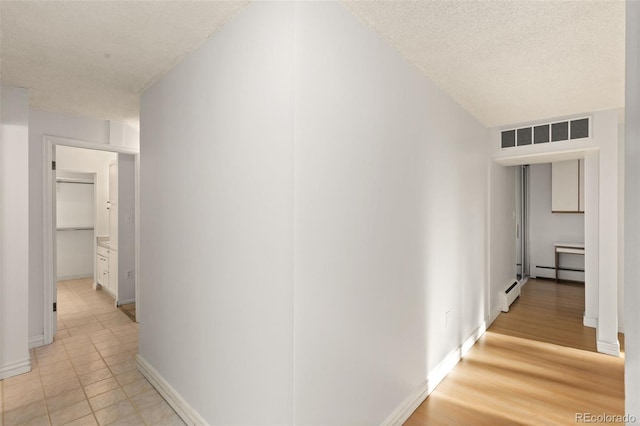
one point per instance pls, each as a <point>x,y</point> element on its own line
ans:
<point>71,180</point>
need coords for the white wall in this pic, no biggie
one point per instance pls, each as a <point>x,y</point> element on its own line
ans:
<point>75,255</point>
<point>546,228</point>
<point>216,215</point>
<point>621,190</point>
<point>591,239</point>
<point>126,228</point>
<point>632,212</point>
<point>390,217</point>
<point>75,207</point>
<point>14,231</point>
<point>311,208</point>
<point>502,231</point>
<point>124,134</point>
<point>605,133</point>
<point>90,161</point>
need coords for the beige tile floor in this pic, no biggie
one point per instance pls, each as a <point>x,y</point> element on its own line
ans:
<point>129,310</point>
<point>88,375</point>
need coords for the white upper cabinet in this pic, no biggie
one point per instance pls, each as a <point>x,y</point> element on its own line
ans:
<point>113,182</point>
<point>113,204</point>
<point>567,186</point>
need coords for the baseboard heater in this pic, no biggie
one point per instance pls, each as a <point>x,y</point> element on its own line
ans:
<point>509,295</point>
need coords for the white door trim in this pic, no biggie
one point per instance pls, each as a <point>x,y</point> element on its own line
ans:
<point>49,142</point>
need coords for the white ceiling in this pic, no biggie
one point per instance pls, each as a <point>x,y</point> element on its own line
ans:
<point>504,61</point>
<point>511,61</point>
<point>94,58</point>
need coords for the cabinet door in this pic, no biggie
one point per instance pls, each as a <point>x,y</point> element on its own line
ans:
<point>99,270</point>
<point>103,270</point>
<point>113,182</point>
<point>113,206</point>
<point>113,226</point>
<point>565,186</point>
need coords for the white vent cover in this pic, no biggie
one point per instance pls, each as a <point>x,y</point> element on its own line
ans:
<point>508,296</point>
<point>557,131</point>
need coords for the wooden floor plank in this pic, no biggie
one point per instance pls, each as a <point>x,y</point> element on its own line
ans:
<point>536,365</point>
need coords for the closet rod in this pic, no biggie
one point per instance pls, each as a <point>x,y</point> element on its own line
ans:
<point>75,229</point>
<point>85,182</point>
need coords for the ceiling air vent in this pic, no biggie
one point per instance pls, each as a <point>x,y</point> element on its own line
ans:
<point>560,131</point>
<point>508,138</point>
<point>524,136</point>
<point>548,132</point>
<point>541,134</point>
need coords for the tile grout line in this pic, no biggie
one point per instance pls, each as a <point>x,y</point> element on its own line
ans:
<point>93,412</point>
<point>120,386</point>
<point>75,372</point>
<point>122,349</point>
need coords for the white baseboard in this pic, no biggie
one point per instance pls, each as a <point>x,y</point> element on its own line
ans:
<point>109,292</point>
<point>563,275</point>
<point>472,339</point>
<point>608,348</point>
<point>417,397</point>
<point>75,277</point>
<point>593,323</point>
<point>590,321</point>
<point>15,368</point>
<point>408,406</point>
<point>493,316</point>
<point>182,408</point>
<point>36,341</point>
<point>125,302</point>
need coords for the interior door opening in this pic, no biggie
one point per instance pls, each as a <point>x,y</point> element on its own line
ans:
<point>91,241</point>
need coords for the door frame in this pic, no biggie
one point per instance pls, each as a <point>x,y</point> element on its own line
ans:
<point>48,219</point>
<point>523,171</point>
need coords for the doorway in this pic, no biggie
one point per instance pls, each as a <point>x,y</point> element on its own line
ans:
<point>91,245</point>
<point>542,224</point>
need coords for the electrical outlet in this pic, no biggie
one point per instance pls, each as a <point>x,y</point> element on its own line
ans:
<point>446,319</point>
<point>129,274</point>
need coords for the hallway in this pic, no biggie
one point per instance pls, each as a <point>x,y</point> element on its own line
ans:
<point>519,374</point>
<point>88,375</point>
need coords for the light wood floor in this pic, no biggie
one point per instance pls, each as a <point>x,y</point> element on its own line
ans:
<point>535,365</point>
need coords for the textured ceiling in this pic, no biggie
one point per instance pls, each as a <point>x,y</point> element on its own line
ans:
<point>93,58</point>
<point>504,61</point>
<point>511,61</point>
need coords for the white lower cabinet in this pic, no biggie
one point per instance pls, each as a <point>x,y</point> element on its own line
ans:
<point>102,266</point>
<point>107,270</point>
<point>102,276</point>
